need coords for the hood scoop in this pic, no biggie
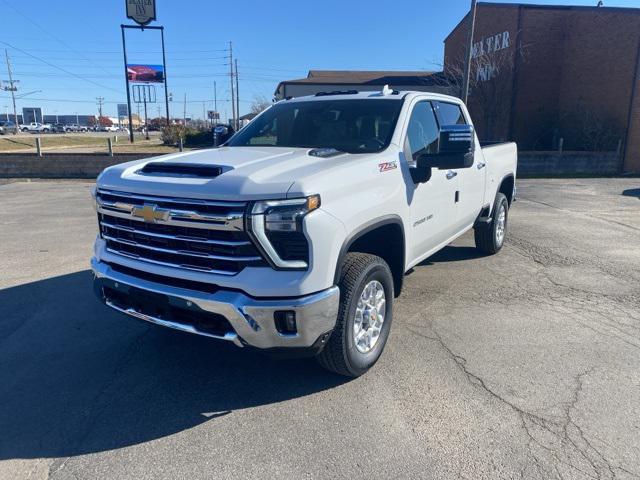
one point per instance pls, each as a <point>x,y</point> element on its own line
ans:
<point>175,169</point>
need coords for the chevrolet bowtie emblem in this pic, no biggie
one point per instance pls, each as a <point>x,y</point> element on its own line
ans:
<point>150,213</point>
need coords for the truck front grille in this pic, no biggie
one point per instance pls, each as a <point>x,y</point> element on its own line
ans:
<point>192,234</point>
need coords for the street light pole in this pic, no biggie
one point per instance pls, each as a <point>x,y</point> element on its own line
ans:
<point>467,65</point>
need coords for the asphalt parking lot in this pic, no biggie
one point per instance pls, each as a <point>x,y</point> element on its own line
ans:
<point>521,365</point>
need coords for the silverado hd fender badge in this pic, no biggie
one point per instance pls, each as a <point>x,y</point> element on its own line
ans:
<point>386,166</point>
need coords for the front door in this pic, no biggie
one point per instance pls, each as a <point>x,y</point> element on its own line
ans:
<point>432,204</point>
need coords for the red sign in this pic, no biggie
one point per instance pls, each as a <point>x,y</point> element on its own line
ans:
<point>145,73</point>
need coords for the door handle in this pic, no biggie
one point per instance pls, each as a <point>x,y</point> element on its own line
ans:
<point>481,165</point>
<point>451,174</point>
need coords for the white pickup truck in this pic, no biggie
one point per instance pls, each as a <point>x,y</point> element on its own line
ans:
<point>295,235</point>
<point>36,127</point>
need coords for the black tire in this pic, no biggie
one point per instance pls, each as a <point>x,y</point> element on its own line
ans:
<point>340,355</point>
<point>487,238</point>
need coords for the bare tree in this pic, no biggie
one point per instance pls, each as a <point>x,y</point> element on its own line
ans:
<point>259,104</point>
<point>490,85</point>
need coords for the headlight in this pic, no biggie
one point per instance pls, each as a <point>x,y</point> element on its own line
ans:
<point>277,226</point>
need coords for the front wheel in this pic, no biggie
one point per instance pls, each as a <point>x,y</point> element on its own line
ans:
<point>489,239</point>
<point>364,316</point>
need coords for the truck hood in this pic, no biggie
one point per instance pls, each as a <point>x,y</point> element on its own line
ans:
<point>248,173</point>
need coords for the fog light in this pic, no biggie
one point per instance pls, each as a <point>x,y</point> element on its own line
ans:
<point>286,322</point>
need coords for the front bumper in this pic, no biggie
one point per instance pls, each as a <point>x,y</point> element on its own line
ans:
<point>251,320</point>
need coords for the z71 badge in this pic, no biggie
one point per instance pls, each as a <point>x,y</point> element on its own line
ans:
<point>386,166</point>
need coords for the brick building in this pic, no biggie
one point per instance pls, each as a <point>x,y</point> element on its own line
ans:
<point>545,73</point>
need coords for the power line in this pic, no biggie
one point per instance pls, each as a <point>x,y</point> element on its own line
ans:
<point>47,32</point>
<point>60,68</point>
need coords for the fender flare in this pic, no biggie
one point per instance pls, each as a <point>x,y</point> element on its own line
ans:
<point>362,230</point>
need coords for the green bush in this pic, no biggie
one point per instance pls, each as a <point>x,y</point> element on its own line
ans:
<point>191,137</point>
<point>198,138</point>
<point>171,134</point>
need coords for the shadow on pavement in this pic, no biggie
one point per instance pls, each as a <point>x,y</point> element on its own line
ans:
<point>452,253</point>
<point>76,378</point>
<point>632,192</point>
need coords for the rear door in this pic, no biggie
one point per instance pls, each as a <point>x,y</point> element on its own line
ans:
<point>471,181</point>
<point>431,203</point>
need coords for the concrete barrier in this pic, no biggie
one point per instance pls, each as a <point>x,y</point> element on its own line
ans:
<point>549,164</point>
<point>61,165</point>
<point>87,165</point>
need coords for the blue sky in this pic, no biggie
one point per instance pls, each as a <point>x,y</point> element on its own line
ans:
<point>272,41</point>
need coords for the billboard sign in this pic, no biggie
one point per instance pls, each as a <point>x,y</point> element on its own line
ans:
<point>142,12</point>
<point>123,111</point>
<point>213,115</point>
<point>145,73</point>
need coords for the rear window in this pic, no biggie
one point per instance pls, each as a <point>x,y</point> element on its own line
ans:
<point>450,114</point>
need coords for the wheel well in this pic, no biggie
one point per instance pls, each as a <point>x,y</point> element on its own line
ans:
<point>506,188</point>
<point>387,242</point>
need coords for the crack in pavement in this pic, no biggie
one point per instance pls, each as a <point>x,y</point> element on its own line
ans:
<point>573,441</point>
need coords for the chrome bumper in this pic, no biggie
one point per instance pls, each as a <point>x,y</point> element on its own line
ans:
<point>252,319</point>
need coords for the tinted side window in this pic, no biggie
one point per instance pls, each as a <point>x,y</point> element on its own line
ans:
<point>450,114</point>
<point>423,132</point>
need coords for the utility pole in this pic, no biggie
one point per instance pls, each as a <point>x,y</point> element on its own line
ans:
<point>184,112</point>
<point>237,97</point>
<point>233,97</point>
<point>215,98</point>
<point>100,101</point>
<point>467,65</point>
<point>12,89</point>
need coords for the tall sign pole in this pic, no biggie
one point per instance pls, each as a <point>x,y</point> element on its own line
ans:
<point>126,76</point>
<point>143,13</point>
<point>467,64</point>
<point>164,66</point>
<point>233,98</point>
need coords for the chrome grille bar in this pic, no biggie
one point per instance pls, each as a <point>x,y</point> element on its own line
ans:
<point>181,252</point>
<point>225,243</point>
<point>230,221</point>
<point>169,264</point>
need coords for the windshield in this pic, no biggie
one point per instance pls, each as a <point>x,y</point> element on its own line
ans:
<point>354,126</point>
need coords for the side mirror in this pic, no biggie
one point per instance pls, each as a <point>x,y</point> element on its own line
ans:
<point>455,149</point>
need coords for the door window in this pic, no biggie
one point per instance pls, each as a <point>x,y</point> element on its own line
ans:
<point>422,133</point>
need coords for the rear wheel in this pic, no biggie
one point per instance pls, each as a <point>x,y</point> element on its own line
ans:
<point>489,239</point>
<point>364,316</point>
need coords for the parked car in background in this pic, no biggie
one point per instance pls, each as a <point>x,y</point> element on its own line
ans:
<point>7,126</point>
<point>35,127</point>
<point>59,128</point>
<point>74,127</point>
<point>222,133</point>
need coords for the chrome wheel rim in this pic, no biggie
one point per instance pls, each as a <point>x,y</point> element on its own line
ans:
<point>501,224</point>
<point>369,317</point>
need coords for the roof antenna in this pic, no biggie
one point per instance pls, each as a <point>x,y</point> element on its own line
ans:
<point>386,90</point>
